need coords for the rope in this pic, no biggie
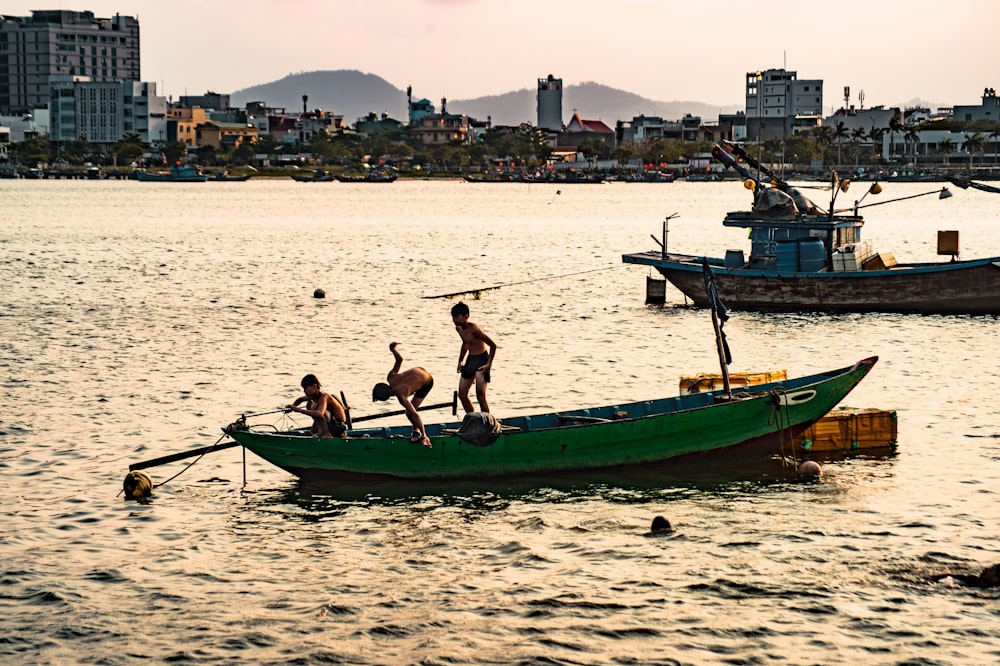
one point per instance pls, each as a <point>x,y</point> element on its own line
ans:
<point>776,418</point>
<point>191,464</point>
<point>476,292</point>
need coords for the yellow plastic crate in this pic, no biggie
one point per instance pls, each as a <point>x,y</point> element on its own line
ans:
<point>850,429</point>
<point>705,381</point>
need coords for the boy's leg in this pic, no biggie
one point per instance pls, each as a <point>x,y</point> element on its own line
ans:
<point>481,385</point>
<point>464,384</point>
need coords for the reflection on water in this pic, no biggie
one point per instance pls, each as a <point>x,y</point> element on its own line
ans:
<point>633,485</point>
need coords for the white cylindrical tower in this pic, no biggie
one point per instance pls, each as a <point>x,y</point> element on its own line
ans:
<point>550,104</point>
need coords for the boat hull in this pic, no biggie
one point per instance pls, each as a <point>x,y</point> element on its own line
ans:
<point>615,436</point>
<point>960,287</point>
<point>181,174</point>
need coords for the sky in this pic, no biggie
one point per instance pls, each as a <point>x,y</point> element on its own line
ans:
<point>943,53</point>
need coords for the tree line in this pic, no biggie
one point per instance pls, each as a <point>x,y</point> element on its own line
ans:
<point>524,147</point>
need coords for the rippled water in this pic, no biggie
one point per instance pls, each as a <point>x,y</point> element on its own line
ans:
<point>136,319</point>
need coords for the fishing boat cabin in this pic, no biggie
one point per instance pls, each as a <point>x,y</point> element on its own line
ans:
<point>789,235</point>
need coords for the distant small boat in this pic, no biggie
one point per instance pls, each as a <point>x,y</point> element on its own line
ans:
<point>178,173</point>
<point>370,176</point>
<point>317,176</point>
<point>226,177</point>
<point>34,173</point>
<point>95,173</point>
<point>494,178</point>
<point>647,176</point>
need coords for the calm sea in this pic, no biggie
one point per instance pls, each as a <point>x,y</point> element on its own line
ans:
<point>136,319</point>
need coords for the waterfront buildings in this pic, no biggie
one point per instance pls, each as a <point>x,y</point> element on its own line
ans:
<point>779,104</point>
<point>102,112</point>
<point>62,43</point>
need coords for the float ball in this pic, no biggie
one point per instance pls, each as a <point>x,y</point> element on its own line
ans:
<point>137,485</point>
<point>810,468</point>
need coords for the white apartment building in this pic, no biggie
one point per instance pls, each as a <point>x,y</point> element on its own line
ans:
<point>779,104</point>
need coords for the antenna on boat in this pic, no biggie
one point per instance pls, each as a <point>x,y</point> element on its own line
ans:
<point>666,230</point>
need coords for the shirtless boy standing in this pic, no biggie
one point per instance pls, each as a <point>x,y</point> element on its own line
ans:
<point>477,364</point>
<point>328,415</point>
<point>415,382</point>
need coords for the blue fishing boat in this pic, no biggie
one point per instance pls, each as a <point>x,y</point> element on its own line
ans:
<point>178,173</point>
<point>803,258</point>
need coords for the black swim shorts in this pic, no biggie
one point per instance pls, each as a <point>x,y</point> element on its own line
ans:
<point>473,363</point>
<point>337,427</point>
<point>425,389</point>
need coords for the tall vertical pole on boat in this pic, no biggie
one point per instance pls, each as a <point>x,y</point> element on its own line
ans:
<point>666,230</point>
<point>719,318</point>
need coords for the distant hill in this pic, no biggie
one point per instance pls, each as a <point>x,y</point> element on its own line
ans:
<point>353,94</point>
<point>344,92</point>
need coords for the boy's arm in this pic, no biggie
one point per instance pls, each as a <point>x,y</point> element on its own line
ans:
<point>461,353</point>
<point>308,412</point>
<point>399,359</point>
<point>489,343</point>
<point>330,403</point>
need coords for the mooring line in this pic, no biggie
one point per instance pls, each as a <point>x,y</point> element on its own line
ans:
<point>476,292</point>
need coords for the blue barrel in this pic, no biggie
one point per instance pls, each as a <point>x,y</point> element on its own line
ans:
<point>812,255</point>
<point>734,259</point>
<point>787,252</point>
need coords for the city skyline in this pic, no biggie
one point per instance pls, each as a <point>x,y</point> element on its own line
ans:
<point>664,51</point>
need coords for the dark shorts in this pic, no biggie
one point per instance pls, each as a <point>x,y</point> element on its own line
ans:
<point>473,363</point>
<point>337,427</point>
<point>425,389</point>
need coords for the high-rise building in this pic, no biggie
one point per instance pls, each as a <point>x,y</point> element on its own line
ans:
<point>550,104</point>
<point>62,43</point>
<point>778,104</point>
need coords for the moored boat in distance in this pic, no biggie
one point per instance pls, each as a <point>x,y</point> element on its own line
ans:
<point>177,173</point>
<point>226,177</point>
<point>700,426</point>
<point>316,176</point>
<point>803,258</point>
<point>369,175</point>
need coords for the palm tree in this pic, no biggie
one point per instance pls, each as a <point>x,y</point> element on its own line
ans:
<point>946,148</point>
<point>824,139</point>
<point>995,135</point>
<point>974,144</point>
<point>876,135</point>
<point>858,136</point>
<point>912,136</point>
<point>840,133</point>
<point>895,125</point>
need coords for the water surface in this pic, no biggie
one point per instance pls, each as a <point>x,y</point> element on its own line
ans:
<point>136,319</point>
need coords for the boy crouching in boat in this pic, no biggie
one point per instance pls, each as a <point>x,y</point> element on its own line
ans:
<point>328,415</point>
<point>415,382</point>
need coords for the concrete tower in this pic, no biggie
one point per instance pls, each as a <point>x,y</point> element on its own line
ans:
<point>550,104</point>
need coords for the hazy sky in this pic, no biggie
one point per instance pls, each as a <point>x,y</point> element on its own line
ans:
<point>665,50</point>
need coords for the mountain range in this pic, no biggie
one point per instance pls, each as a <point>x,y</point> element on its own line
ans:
<point>353,94</point>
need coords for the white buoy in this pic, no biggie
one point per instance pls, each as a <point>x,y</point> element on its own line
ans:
<point>810,468</point>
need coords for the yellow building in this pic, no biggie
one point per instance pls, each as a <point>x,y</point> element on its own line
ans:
<point>182,124</point>
<point>224,135</point>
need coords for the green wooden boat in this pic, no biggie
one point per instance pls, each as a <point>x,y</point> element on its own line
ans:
<point>755,421</point>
